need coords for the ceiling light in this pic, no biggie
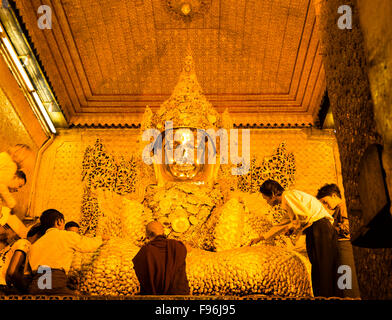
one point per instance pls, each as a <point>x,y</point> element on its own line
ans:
<point>44,112</point>
<point>25,67</point>
<point>15,58</point>
<point>186,9</point>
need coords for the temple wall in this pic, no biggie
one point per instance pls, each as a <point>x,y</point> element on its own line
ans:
<point>353,111</point>
<point>59,182</point>
<point>375,19</point>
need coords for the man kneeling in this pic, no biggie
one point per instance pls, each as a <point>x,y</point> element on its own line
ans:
<point>160,264</point>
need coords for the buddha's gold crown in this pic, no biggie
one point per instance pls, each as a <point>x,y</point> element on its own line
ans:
<point>187,106</point>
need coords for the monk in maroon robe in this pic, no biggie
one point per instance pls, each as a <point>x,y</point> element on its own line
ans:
<point>160,264</point>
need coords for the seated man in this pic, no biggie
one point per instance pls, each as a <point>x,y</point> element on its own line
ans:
<point>160,264</point>
<point>13,267</point>
<point>51,256</point>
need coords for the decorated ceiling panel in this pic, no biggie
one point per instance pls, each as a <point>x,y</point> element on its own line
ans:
<point>107,60</point>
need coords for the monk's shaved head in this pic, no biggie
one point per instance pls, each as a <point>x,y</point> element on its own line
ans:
<point>153,229</point>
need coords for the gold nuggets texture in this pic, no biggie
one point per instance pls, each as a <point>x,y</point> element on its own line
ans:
<point>250,270</point>
<point>218,222</point>
<point>186,210</point>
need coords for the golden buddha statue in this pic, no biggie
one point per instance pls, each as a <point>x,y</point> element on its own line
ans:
<point>192,192</point>
<point>184,122</point>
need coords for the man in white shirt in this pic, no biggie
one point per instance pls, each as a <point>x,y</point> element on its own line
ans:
<point>11,163</point>
<point>55,250</point>
<point>13,185</point>
<point>13,265</point>
<point>307,214</point>
<point>12,178</point>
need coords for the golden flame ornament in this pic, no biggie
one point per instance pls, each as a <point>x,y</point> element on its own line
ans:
<point>187,106</point>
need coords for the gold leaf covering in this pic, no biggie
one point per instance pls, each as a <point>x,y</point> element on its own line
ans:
<point>187,106</point>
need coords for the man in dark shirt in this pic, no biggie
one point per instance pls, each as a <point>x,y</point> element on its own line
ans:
<point>160,264</point>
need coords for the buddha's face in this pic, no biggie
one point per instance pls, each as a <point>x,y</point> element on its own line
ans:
<point>183,161</point>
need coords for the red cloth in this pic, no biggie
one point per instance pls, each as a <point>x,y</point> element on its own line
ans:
<point>160,267</point>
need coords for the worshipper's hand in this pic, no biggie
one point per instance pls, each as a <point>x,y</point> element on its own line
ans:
<point>289,232</point>
<point>257,240</point>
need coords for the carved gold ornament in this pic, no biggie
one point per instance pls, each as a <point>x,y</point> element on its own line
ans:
<point>187,9</point>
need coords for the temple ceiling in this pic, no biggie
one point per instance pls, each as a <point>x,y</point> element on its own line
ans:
<point>107,60</point>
